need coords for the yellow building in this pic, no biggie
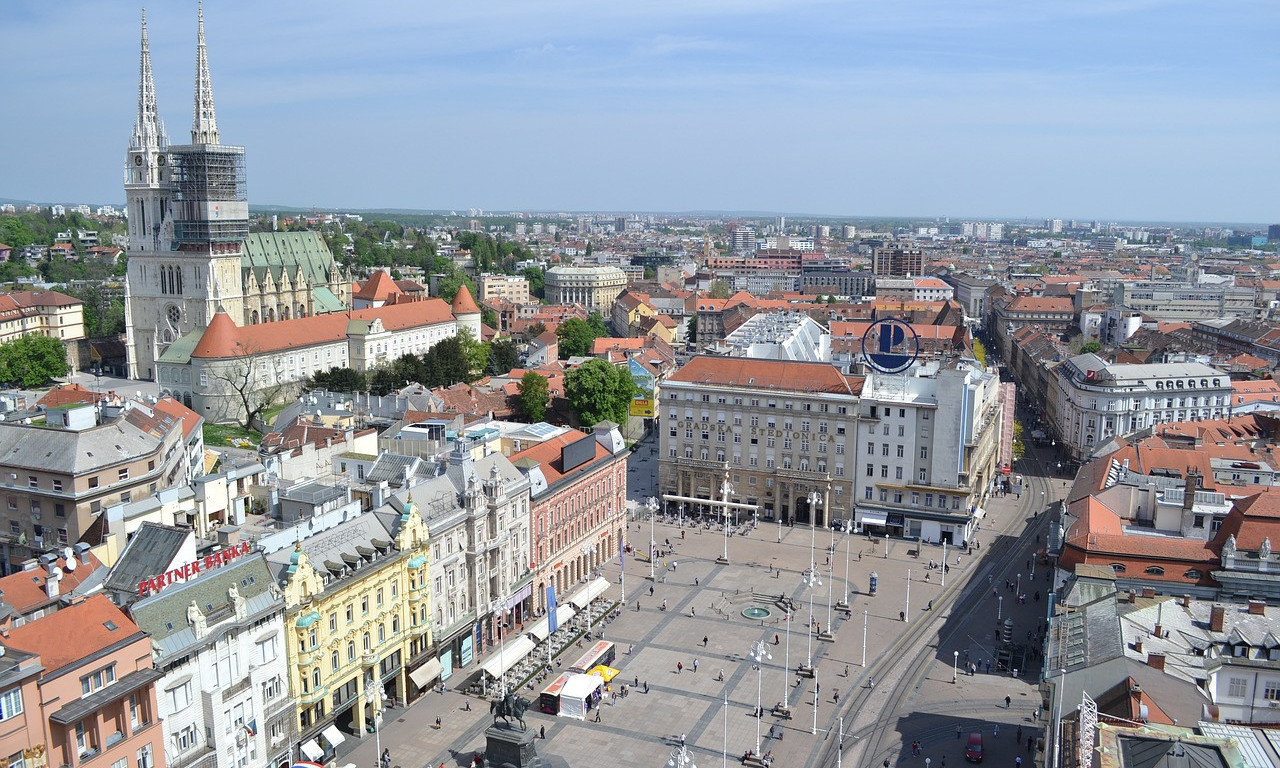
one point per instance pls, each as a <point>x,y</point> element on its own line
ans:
<point>358,611</point>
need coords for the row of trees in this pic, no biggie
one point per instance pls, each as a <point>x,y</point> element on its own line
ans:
<point>595,391</point>
<point>577,336</point>
<point>459,359</point>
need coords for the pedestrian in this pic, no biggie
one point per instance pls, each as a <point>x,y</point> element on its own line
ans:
<point>836,696</point>
<point>646,686</point>
<point>467,707</point>
<point>957,730</point>
<point>691,613</point>
<point>1017,762</point>
<point>1007,702</point>
<point>817,687</point>
<point>437,722</point>
<point>944,762</point>
<point>442,688</point>
<point>871,681</point>
<point>695,665</point>
<point>996,730</point>
<point>1019,738</point>
<point>597,714</point>
<point>682,739</point>
<point>775,638</point>
<point>704,641</point>
<point>696,581</point>
<point>679,667</point>
<point>637,682</point>
<point>1031,743</point>
<point>542,731</point>
<point>650,590</point>
<point>846,670</point>
<point>386,758</point>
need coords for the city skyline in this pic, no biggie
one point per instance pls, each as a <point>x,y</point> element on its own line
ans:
<point>1142,110</point>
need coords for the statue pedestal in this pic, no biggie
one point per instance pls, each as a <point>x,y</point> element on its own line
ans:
<point>512,747</point>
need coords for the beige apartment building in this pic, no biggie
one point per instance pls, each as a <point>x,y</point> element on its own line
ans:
<point>56,479</point>
<point>593,287</point>
<point>777,431</point>
<point>44,313</point>
<point>510,288</point>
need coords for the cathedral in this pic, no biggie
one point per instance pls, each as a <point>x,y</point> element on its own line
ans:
<point>189,248</point>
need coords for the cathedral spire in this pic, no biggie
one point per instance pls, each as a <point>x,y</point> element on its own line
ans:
<point>148,133</point>
<point>204,128</point>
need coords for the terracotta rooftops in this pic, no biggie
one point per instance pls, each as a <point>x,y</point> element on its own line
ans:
<point>25,590</point>
<point>75,633</point>
<point>223,338</point>
<point>463,303</point>
<point>767,374</point>
<point>379,287</point>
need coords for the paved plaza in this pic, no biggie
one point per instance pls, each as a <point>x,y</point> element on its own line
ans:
<point>713,707</point>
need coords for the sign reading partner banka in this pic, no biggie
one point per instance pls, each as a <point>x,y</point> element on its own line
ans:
<point>192,569</point>
<point>890,345</point>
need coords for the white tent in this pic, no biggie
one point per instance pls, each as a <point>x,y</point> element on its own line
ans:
<point>506,656</point>
<point>583,597</point>
<point>563,614</point>
<point>575,693</point>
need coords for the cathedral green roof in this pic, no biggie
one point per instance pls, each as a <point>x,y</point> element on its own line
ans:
<point>179,352</point>
<point>275,252</point>
<point>326,301</point>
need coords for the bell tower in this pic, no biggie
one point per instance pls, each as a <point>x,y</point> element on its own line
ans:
<point>188,219</point>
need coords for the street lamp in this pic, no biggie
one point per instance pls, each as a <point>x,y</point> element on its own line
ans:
<point>955,660</point>
<point>1018,590</point>
<point>864,639</point>
<point>811,580</point>
<point>843,602</point>
<point>999,606</point>
<point>586,549</point>
<point>652,506</point>
<point>758,655</point>
<point>725,490</point>
<point>680,758</point>
<point>680,512</point>
<point>906,615</point>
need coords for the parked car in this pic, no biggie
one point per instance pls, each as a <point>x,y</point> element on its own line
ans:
<point>973,748</point>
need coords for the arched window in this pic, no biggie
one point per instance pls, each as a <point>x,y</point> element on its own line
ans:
<point>253,317</point>
<point>1155,570</point>
<point>366,642</point>
<point>382,633</point>
<point>351,650</point>
<point>1192,574</point>
<point>1118,567</point>
<point>395,624</point>
<point>335,661</point>
<point>315,677</point>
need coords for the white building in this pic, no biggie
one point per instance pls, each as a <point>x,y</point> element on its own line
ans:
<point>219,640</point>
<point>779,336</point>
<point>595,288</point>
<point>1091,401</point>
<point>926,450</point>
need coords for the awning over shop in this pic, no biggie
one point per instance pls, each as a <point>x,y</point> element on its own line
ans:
<point>583,597</point>
<point>312,750</point>
<point>507,656</point>
<point>332,735</point>
<point>872,518</point>
<point>563,614</point>
<point>423,675</point>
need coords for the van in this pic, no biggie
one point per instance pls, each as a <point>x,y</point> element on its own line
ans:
<point>973,748</point>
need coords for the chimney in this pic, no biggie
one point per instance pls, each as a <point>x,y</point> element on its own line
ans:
<point>52,578</point>
<point>1189,494</point>
<point>1157,632</point>
<point>1148,591</point>
<point>1133,596</point>
<point>1186,601</point>
<point>1258,607</point>
<point>1137,645</point>
<point>1155,660</point>
<point>1217,617</point>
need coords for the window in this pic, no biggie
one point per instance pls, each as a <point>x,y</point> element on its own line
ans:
<point>350,613</point>
<point>351,650</point>
<point>123,474</point>
<point>871,470</point>
<point>868,493</point>
<point>871,448</point>
<point>103,677</point>
<point>185,739</point>
<point>268,649</point>
<point>333,622</point>
<point>1271,691</point>
<point>135,712</point>
<point>379,595</point>
<point>1236,687</point>
<point>924,452</point>
<point>178,697</point>
<point>33,481</point>
<point>1155,570</point>
<point>11,703</point>
<point>83,745</point>
<point>335,661</point>
<point>1192,574</point>
<point>923,476</point>
<point>93,482</point>
<point>901,451</point>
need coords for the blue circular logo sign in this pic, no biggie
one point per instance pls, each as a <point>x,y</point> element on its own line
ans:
<point>890,345</point>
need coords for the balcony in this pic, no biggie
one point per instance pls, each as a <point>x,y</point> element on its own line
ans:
<point>369,659</point>
<point>315,695</point>
<point>238,688</point>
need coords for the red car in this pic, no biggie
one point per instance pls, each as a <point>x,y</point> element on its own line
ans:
<point>973,749</point>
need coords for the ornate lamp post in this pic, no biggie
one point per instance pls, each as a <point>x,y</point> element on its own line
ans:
<point>652,506</point>
<point>811,580</point>
<point>955,660</point>
<point>680,758</point>
<point>758,655</point>
<point>725,490</point>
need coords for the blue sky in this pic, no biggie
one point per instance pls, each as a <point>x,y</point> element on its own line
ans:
<point>1115,109</point>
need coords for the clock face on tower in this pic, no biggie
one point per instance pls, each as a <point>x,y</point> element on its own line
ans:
<point>160,159</point>
<point>137,159</point>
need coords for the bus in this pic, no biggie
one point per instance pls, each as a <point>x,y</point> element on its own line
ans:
<point>602,652</point>
<point>549,699</point>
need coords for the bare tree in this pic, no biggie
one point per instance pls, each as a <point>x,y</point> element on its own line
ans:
<point>252,379</point>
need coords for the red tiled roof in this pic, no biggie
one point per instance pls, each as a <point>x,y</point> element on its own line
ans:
<point>1058,304</point>
<point>24,590</point>
<point>379,287</point>
<point>548,455</point>
<point>765,374</point>
<point>463,303</point>
<point>190,419</point>
<point>65,394</point>
<point>223,338</point>
<point>74,633</point>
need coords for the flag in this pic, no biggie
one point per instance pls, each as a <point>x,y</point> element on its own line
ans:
<point>305,764</point>
<point>552,626</point>
<point>251,728</point>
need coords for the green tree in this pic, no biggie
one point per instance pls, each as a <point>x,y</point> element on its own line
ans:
<point>535,394</point>
<point>489,317</point>
<point>719,289</point>
<point>590,248</point>
<point>596,321</point>
<point>535,330</point>
<point>537,280</point>
<point>980,352</point>
<point>575,338</point>
<point>476,353</point>
<point>32,360</point>
<point>103,311</point>
<point>597,390</point>
<point>1019,448</point>
<point>1090,346</point>
<point>338,380</point>
<point>504,354</point>
<point>693,329</point>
